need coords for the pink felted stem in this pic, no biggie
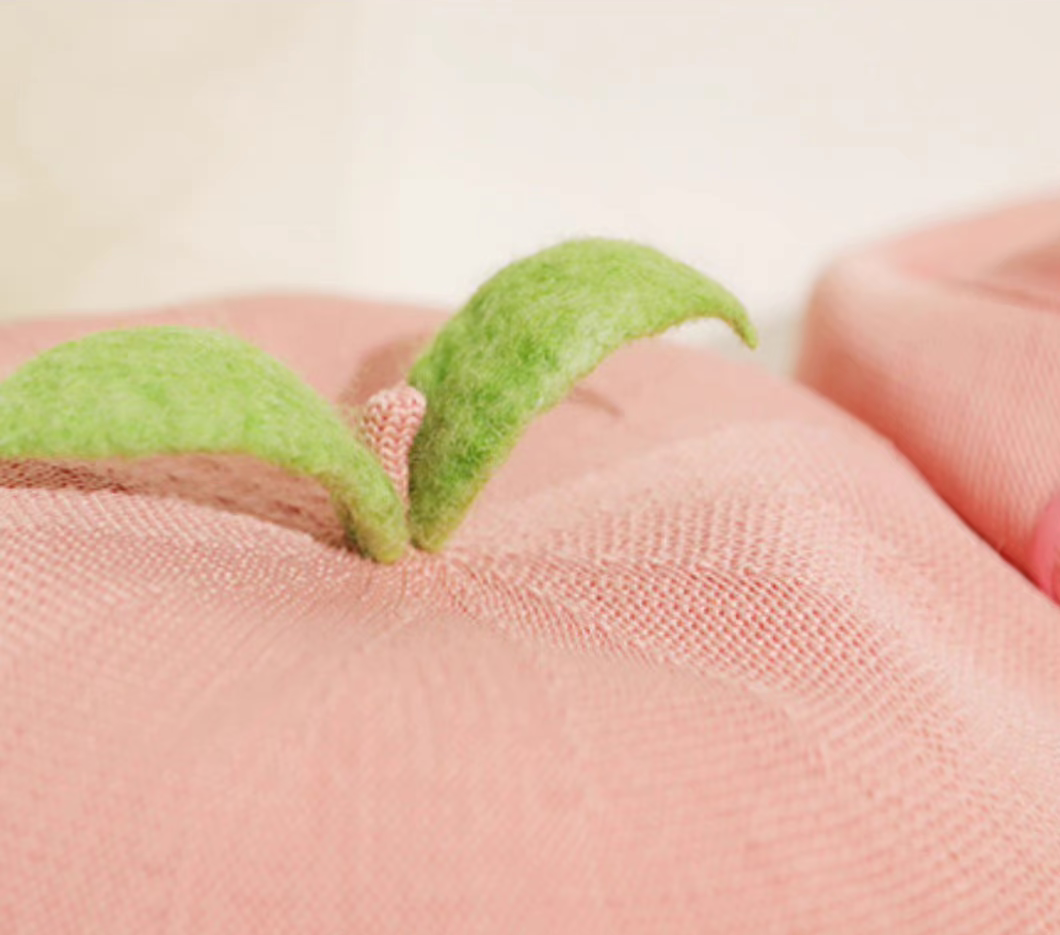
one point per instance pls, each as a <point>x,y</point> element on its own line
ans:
<point>389,423</point>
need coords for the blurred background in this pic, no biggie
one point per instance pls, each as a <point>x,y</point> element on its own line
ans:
<point>157,151</point>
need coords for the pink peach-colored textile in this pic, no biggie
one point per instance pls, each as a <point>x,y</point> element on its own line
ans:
<point>948,343</point>
<point>389,422</point>
<point>709,655</point>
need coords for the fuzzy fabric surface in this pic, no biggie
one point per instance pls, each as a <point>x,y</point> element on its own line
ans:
<point>515,350</point>
<point>520,345</point>
<point>167,390</point>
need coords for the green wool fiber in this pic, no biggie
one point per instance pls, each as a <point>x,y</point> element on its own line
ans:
<point>153,390</point>
<point>518,347</point>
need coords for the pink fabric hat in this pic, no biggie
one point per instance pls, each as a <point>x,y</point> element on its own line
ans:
<point>708,655</point>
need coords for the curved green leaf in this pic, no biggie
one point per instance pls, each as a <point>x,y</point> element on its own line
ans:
<point>516,349</point>
<point>156,390</point>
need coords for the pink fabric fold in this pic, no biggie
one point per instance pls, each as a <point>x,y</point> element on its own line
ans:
<point>948,343</point>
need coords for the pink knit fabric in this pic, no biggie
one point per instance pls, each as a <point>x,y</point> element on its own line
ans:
<point>708,656</point>
<point>1045,551</point>
<point>390,420</point>
<point>948,342</point>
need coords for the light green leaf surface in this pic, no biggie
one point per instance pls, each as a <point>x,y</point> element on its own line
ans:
<point>519,346</point>
<point>155,390</point>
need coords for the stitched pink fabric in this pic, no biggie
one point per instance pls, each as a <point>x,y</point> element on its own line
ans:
<point>708,656</point>
<point>390,420</point>
<point>948,342</point>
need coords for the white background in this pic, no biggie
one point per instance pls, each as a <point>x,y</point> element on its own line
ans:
<point>151,151</point>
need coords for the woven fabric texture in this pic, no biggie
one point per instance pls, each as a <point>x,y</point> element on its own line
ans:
<point>948,343</point>
<point>708,655</point>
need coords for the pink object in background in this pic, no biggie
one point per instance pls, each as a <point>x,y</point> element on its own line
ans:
<point>1045,551</point>
<point>709,655</point>
<point>948,343</point>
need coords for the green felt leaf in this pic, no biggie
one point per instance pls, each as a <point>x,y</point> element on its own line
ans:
<point>521,343</point>
<point>147,391</point>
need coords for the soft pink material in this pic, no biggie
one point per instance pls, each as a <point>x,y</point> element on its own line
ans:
<point>948,342</point>
<point>707,656</point>
<point>1045,551</point>
<point>389,423</point>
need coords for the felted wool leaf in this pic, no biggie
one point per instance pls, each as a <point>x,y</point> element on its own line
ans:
<point>155,390</point>
<point>520,345</point>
